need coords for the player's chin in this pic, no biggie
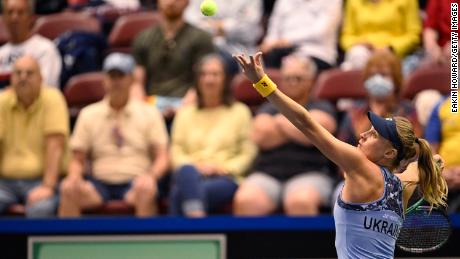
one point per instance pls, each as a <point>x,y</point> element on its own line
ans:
<point>363,150</point>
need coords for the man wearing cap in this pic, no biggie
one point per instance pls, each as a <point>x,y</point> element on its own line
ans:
<point>34,128</point>
<point>126,142</point>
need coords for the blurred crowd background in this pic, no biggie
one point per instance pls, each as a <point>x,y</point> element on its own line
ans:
<point>137,107</point>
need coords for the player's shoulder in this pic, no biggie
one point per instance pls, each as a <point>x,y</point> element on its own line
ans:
<point>410,174</point>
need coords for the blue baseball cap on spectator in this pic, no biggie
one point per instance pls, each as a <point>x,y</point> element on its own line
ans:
<point>386,127</point>
<point>119,62</point>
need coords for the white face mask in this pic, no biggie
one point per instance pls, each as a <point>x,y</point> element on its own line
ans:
<point>379,86</point>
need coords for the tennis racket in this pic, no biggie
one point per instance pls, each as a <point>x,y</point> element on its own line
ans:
<point>424,229</point>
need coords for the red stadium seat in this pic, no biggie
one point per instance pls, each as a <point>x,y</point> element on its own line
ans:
<point>427,77</point>
<point>120,207</point>
<point>82,90</point>
<point>52,26</point>
<point>112,207</point>
<point>245,93</point>
<point>127,27</point>
<point>335,84</point>
<point>16,210</point>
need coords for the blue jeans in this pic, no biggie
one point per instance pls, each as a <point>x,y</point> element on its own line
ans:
<point>191,191</point>
<point>16,191</point>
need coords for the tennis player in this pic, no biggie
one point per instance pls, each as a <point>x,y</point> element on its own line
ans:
<point>370,209</point>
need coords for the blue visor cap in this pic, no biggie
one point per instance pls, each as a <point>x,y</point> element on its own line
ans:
<point>386,127</point>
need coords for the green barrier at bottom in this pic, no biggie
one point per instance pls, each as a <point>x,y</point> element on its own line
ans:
<point>126,248</point>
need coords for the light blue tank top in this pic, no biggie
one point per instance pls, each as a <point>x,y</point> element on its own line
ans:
<point>370,230</point>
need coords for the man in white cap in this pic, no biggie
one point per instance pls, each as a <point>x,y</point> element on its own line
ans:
<point>126,142</point>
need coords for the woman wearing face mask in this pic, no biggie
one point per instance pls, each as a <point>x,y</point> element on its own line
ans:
<point>383,83</point>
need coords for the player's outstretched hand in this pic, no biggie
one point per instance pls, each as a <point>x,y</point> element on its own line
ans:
<point>252,66</point>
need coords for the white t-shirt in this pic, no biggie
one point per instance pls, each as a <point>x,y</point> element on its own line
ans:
<point>312,25</point>
<point>39,47</point>
<point>124,4</point>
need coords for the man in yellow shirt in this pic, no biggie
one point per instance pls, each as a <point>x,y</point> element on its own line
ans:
<point>34,128</point>
<point>126,141</point>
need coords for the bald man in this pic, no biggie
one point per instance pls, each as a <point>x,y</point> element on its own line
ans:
<point>34,128</point>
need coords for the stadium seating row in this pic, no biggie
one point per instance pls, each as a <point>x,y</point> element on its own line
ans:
<point>122,34</point>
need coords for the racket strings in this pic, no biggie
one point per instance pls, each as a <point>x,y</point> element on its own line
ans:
<point>424,231</point>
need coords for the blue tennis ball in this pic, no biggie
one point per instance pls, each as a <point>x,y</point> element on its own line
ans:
<point>208,7</point>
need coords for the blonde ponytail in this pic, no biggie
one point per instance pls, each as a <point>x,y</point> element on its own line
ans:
<point>431,183</point>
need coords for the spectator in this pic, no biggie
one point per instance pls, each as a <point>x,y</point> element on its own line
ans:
<point>383,83</point>
<point>18,16</point>
<point>443,133</point>
<point>236,27</point>
<point>287,31</point>
<point>424,102</point>
<point>375,24</point>
<point>126,142</point>
<point>210,144</point>
<point>165,54</point>
<point>34,128</point>
<point>289,170</point>
<point>436,33</point>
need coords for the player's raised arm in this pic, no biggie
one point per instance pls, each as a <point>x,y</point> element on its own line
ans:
<point>344,155</point>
